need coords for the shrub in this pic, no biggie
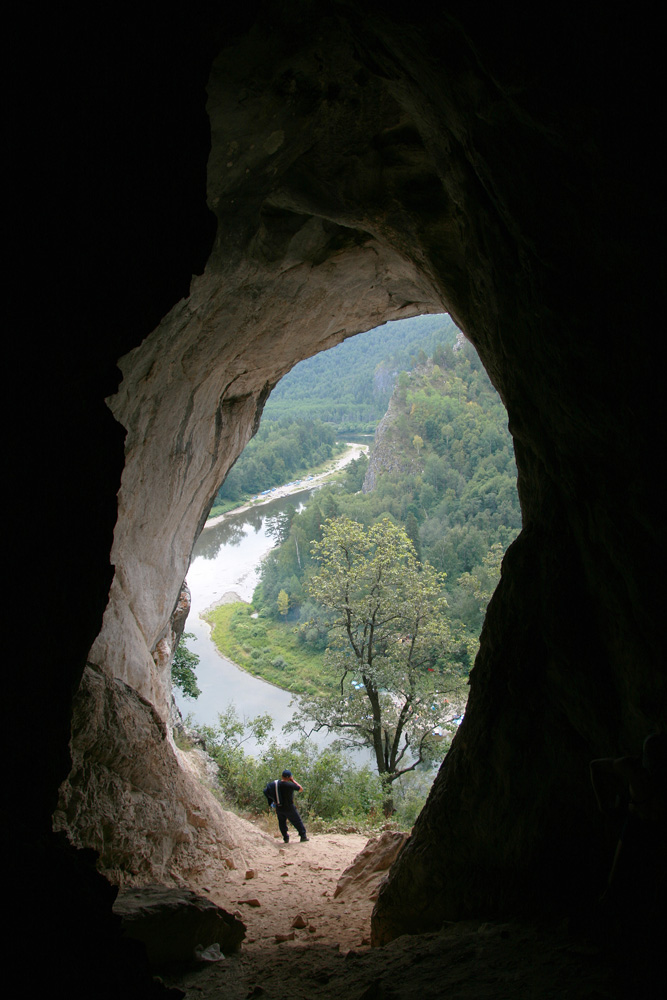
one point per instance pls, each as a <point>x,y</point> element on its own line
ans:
<point>183,665</point>
<point>334,788</point>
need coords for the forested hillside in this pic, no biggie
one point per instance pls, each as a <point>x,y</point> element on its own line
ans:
<point>339,392</point>
<point>350,385</point>
<point>279,452</point>
<point>443,468</point>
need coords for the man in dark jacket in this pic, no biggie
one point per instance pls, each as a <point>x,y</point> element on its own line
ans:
<point>286,786</point>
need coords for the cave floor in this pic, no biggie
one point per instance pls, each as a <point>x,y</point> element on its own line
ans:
<point>465,961</point>
<point>327,954</point>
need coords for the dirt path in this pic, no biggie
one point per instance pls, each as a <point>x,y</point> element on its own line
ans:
<point>296,880</point>
<point>285,897</point>
<point>305,943</point>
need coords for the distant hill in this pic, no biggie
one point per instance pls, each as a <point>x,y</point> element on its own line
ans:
<point>340,392</point>
<point>350,385</point>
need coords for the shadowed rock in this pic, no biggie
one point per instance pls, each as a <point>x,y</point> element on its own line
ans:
<point>369,869</point>
<point>175,924</point>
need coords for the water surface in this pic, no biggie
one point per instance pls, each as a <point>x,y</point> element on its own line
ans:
<point>226,560</point>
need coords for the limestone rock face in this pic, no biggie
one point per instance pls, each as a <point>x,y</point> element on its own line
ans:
<point>369,869</point>
<point>137,800</point>
<point>385,460</point>
<point>382,459</point>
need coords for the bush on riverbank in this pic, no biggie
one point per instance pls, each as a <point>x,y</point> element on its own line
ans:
<point>338,794</point>
<point>266,648</point>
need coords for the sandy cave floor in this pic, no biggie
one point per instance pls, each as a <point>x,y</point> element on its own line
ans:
<point>327,953</point>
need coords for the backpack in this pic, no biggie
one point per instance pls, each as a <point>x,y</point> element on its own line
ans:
<point>271,792</point>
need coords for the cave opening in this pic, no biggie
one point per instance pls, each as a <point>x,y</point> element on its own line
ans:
<point>220,570</point>
<point>132,846</point>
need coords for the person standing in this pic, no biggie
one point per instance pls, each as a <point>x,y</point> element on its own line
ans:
<point>285,809</point>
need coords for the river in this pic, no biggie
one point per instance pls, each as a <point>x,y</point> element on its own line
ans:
<point>226,559</point>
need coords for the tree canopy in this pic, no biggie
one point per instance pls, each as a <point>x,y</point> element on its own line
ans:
<point>280,450</point>
<point>183,665</point>
<point>349,386</point>
<point>389,639</point>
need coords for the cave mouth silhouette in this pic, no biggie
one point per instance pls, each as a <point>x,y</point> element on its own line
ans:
<point>504,171</point>
<point>229,528</point>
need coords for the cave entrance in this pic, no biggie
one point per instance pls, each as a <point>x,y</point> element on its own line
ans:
<point>365,167</point>
<point>339,208</point>
<point>471,463</point>
<point>186,426</point>
<point>336,213</point>
<point>348,194</point>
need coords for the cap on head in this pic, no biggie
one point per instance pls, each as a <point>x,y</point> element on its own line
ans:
<point>287,774</point>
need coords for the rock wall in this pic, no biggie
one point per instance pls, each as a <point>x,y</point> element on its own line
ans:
<point>382,458</point>
<point>142,805</point>
<point>347,188</point>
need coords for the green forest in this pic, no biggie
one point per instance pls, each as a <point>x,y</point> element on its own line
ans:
<point>335,394</point>
<point>442,475</point>
<point>445,473</point>
<point>280,451</point>
<point>350,385</point>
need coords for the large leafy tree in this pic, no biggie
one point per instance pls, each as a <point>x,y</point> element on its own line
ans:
<point>389,640</point>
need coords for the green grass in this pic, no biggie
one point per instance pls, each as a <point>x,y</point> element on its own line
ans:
<point>225,507</point>
<point>266,649</point>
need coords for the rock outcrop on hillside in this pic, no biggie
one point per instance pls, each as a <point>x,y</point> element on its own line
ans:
<point>385,459</point>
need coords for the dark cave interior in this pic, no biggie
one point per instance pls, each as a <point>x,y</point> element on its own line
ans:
<point>503,168</point>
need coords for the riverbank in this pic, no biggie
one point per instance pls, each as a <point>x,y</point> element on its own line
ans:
<point>265,649</point>
<point>224,569</point>
<point>354,451</point>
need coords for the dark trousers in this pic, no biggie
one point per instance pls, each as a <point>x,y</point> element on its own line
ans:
<point>290,813</point>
